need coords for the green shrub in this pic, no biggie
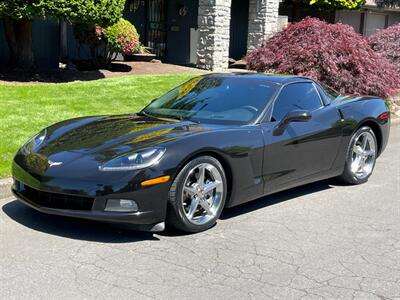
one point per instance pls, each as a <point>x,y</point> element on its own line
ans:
<point>102,12</point>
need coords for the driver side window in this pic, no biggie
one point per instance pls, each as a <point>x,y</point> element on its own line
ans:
<point>296,96</point>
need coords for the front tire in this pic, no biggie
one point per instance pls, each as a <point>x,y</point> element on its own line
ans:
<point>197,195</point>
<point>361,156</point>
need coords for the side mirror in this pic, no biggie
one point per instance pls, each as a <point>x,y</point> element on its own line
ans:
<point>292,116</point>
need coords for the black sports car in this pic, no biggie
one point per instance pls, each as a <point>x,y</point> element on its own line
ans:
<point>215,141</point>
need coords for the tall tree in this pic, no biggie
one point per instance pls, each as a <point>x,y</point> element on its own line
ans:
<point>338,4</point>
<point>18,15</point>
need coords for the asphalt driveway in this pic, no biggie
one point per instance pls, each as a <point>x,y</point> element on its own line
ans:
<point>323,240</point>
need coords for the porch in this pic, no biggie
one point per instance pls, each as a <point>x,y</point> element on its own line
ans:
<point>205,33</point>
<point>202,33</point>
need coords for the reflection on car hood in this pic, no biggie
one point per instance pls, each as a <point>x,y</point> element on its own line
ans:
<point>110,136</point>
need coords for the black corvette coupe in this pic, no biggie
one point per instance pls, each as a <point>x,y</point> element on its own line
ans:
<point>215,141</point>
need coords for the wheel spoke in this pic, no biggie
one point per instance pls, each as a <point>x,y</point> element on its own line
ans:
<point>355,166</point>
<point>190,190</point>
<point>193,207</point>
<point>361,165</point>
<point>369,152</point>
<point>209,187</point>
<point>364,142</point>
<point>357,150</point>
<point>200,180</point>
<point>204,204</point>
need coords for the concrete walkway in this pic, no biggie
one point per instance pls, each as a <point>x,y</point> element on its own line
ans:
<point>5,188</point>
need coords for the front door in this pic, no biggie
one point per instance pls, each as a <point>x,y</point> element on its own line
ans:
<point>239,29</point>
<point>157,27</point>
<point>304,149</point>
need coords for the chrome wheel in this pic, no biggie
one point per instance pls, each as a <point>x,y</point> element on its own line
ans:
<point>202,193</point>
<point>363,155</point>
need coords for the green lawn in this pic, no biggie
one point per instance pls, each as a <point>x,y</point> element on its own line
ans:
<point>24,110</point>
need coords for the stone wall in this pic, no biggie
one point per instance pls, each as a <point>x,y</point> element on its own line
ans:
<point>213,27</point>
<point>263,21</point>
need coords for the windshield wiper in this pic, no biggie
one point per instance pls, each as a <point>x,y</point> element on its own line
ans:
<point>145,114</point>
<point>160,116</point>
<point>180,118</point>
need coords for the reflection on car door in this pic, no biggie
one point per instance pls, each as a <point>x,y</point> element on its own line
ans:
<point>305,148</point>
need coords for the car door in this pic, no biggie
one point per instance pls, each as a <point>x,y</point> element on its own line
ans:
<point>303,149</point>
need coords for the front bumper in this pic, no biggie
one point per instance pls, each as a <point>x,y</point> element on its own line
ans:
<point>152,201</point>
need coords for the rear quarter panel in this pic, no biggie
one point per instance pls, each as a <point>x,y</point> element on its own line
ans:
<point>360,111</point>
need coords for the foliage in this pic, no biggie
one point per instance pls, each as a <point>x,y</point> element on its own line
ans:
<point>26,109</point>
<point>142,49</point>
<point>121,37</point>
<point>387,43</point>
<point>331,53</point>
<point>103,12</point>
<point>338,4</point>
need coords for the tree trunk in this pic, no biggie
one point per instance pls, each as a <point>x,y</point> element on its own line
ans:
<point>19,38</point>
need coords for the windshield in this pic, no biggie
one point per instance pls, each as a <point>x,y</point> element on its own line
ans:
<point>215,99</point>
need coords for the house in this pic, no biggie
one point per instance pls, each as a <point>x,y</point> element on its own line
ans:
<point>205,33</point>
<point>370,18</point>
<point>365,21</point>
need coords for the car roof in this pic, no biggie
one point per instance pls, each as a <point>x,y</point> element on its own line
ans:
<point>274,78</point>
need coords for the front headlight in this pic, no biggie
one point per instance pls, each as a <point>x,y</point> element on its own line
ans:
<point>34,142</point>
<point>135,161</point>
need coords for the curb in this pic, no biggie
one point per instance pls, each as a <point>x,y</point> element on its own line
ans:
<point>395,122</point>
<point>5,188</point>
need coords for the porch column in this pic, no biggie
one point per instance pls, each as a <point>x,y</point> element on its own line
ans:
<point>263,21</point>
<point>213,28</point>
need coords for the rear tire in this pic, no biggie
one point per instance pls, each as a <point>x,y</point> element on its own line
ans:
<point>361,156</point>
<point>197,195</point>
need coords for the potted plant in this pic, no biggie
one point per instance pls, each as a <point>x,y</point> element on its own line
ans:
<point>142,53</point>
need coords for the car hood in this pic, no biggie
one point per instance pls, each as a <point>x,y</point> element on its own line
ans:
<point>106,137</point>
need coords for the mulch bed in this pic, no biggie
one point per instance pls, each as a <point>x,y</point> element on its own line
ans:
<point>117,69</point>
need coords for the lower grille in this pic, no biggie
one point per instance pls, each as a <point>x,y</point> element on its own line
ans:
<point>54,200</point>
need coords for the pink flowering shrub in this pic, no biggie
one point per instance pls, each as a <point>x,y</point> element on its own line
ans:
<point>121,37</point>
<point>106,43</point>
<point>387,43</point>
<point>331,53</point>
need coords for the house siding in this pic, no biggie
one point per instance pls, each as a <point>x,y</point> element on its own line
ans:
<point>368,21</point>
<point>45,44</point>
<point>4,51</point>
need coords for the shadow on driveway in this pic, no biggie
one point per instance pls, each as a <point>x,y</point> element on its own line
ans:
<point>278,198</point>
<point>88,230</point>
<point>72,228</point>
